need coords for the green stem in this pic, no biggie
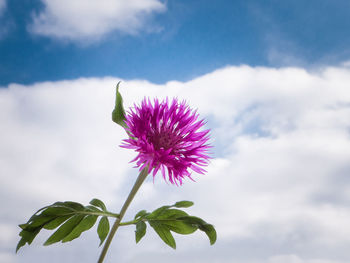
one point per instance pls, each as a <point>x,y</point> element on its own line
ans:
<point>133,222</point>
<point>109,214</point>
<point>128,223</point>
<point>131,196</point>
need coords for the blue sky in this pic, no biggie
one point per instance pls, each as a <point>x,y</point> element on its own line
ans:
<point>183,40</point>
<point>271,79</point>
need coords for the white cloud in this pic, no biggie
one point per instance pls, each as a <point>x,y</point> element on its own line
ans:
<point>7,24</point>
<point>296,259</point>
<point>7,257</point>
<point>82,20</point>
<point>2,6</point>
<point>277,191</point>
<point>346,64</point>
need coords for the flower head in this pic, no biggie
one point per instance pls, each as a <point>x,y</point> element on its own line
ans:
<point>167,137</point>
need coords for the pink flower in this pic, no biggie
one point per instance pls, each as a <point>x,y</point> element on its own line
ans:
<point>168,138</point>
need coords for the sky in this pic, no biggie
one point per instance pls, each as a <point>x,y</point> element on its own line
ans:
<point>269,77</point>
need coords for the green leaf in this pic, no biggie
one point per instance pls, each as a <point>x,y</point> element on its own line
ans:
<point>171,214</point>
<point>164,233</point>
<point>183,204</point>
<point>23,226</point>
<point>170,218</point>
<point>158,211</point>
<point>74,205</point>
<point>21,243</point>
<point>140,214</point>
<point>140,230</point>
<point>84,225</point>
<point>56,222</point>
<point>71,219</point>
<point>98,203</point>
<point>193,220</point>
<point>118,114</point>
<point>180,227</point>
<point>27,237</point>
<point>58,210</point>
<point>40,220</point>
<point>92,208</point>
<point>210,231</point>
<point>64,230</point>
<point>37,212</point>
<point>103,229</point>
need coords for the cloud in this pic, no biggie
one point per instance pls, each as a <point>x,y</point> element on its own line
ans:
<point>90,20</point>
<point>4,24</point>
<point>277,189</point>
<point>296,259</point>
<point>2,6</point>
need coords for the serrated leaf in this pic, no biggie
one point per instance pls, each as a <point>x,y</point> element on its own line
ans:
<point>164,233</point>
<point>183,204</point>
<point>40,220</point>
<point>103,229</point>
<point>118,114</point>
<point>56,222</point>
<point>98,203</point>
<point>23,226</point>
<point>37,212</point>
<point>210,231</point>
<point>84,225</point>
<point>21,243</point>
<point>71,219</point>
<point>64,230</point>
<point>140,214</point>
<point>27,237</point>
<point>140,230</point>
